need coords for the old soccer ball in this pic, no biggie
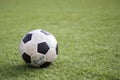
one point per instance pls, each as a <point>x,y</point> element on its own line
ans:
<point>39,48</point>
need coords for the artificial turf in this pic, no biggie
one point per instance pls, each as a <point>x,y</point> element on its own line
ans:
<point>88,33</point>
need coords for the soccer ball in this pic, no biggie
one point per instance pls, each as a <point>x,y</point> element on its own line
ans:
<point>39,48</point>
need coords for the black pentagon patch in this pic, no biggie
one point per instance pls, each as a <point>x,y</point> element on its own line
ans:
<point>27,38</point>
<point>57,49</point>
<point>46,64</point>
<point>42,48</point>
<point>26,58</point>
<point>45,32</point>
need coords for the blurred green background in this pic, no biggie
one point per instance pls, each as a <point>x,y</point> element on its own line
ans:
<point>88,33</point>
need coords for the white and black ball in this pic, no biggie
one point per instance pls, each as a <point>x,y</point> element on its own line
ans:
<point>39,48</point>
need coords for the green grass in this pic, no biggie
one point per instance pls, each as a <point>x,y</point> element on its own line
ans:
<point>88,32</point>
